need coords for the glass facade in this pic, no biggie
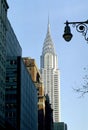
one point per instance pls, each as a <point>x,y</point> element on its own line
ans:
<point>9,46</point>
<point>13,47</point>
<point>11,92</point>
<point>21,96</point>
<point>29,100</point>
<point>3,29</point>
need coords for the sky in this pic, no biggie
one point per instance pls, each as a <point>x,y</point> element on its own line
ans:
<point>29,19</point>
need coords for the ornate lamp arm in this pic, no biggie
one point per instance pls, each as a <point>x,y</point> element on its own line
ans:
<point>80,27</point>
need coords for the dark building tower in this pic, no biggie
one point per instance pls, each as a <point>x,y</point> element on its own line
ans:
<point>48,115</point>
<point>3,29</point>
<point>21,96</point>
<point>36,77</point>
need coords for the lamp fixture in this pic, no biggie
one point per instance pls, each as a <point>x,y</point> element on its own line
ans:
<point>80,27</point>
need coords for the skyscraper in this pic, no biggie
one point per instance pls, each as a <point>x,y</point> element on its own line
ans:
<point>51,74</point>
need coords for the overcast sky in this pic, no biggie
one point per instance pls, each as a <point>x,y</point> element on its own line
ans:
<point>29,19</point>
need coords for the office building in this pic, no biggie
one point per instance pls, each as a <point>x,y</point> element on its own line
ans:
<point>21,110</point>
<point>3,29</point>
<point>51,74</point>
<point>7,37</point>
<point>36,77</point>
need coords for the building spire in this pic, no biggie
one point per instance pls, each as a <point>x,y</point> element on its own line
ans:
<point>48,28</point>
<point>48,19</point>
<point>48,45</point>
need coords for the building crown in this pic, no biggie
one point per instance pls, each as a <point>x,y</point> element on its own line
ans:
<point>48,46</point>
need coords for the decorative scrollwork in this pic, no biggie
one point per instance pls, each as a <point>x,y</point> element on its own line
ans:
<point>82,28</point>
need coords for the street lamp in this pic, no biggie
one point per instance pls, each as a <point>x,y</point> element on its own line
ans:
<point>80,27</point>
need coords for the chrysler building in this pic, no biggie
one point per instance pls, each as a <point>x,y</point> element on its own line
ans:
<point>51,74</point>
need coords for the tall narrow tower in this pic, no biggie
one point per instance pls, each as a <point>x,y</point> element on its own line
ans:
<point>50,74</point>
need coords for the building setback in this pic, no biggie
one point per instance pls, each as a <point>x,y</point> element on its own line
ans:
<point>51,74</point>
<point>13,47</point>
<point>21,96</point>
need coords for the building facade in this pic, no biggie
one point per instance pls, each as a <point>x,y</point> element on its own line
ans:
<point>3,29</point>
<point>35,74</point>
<point>9,46</point>
<point>32,68</point>
<point>13,47</point>
<point>51,74</point>
<point>21,110</point>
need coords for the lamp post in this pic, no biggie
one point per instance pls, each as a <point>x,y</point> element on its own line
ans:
<point>80,27</point>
